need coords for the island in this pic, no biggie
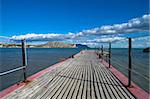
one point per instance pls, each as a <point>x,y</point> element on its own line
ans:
<point>46,45</point>
<point>146,49</point>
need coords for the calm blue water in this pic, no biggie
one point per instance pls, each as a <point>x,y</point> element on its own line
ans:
<point>38,59</point>
<point>41,58</point>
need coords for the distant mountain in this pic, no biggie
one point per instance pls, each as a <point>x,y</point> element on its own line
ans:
<point>146,49</point>
<point>47,45</point>
<point>82,46</point>
<point>56,45</point>
<point>61,45</point>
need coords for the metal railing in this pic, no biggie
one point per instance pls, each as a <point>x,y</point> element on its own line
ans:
<point>24,62</point>
<point>116,61</point>
<point>120,65</point>
<point>12,70</point>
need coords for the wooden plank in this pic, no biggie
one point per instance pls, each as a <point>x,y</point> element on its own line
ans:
<point>74,86</point>
<point>51,86</point>
<point>67,88</point>
<point>95,85</point>
<point>66,85</point>
<point>31,87</point>
<point>82,77</point>
<point>44,88</point>
<point>84,94</point>
<point>50,93</point>
<point>80,91</point>
<point>100,87</point>
<point>76,90</point>
<point>89,82</point>
<point>41,92</point>
<point>108,83</point>
<point>121,89</point>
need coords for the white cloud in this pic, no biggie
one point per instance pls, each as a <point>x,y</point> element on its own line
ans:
<point>134,25</point>
<point>147,38</point>
<point>34,36</point>
<point>106,39</point>
<point>101,34</point>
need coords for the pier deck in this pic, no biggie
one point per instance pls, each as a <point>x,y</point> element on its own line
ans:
<point>82,77</point>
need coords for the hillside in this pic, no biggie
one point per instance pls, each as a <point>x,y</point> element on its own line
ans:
<point>56,45</point>
<point>46,45</point>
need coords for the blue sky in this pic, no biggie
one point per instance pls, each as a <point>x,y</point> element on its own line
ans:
<point>21,17</point>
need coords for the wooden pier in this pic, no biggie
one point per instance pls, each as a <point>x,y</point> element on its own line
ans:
<point>81,77</point>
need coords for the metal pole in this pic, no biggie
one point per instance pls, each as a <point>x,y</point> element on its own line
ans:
<point>130,62</point>
<point>102,53</point>
<point>24,58</point>
<point>109,54</point>
<point>102,50</point>
<point>99,53</point>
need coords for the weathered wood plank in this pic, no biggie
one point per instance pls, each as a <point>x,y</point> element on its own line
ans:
<point>77,88</point>
<point>55,88</point>
<point>82,77</point>
<point>66,85</point>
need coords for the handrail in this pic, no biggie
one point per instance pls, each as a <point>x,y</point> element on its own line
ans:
<point>117,59</point>
<point>133,71</point>
<point>12,70</point>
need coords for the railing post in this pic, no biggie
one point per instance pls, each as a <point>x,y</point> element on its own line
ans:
<point>24,57</point>
<point>102,53</point>
<point>102,49</point>
<point>130,61</point>
<point>99,53</point>
<point>109,54</point>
